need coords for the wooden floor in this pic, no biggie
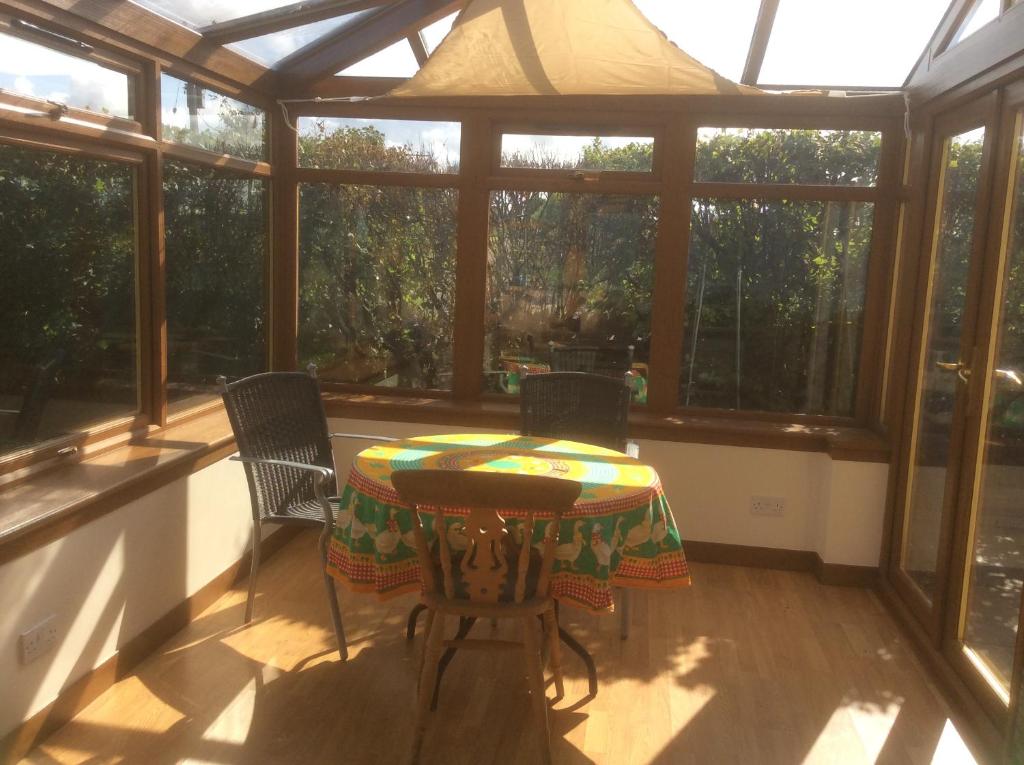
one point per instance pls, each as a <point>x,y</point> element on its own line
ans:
<point>746,666</point>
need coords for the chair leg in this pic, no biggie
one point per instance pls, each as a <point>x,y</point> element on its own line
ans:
<point>535,676</point>
<point>624,619</point>
<point>554,650</point>
<point>426,635</point>
<point>414,615</point>
<point>254,567</point>
<point>431,657</point>
<point>332,598</point>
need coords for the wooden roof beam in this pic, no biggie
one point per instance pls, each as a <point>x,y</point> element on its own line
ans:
<point>948,26</point>
<point>759,41</point>
<point>332,53</point>
<point>288,17</point>
<point>419,48</point>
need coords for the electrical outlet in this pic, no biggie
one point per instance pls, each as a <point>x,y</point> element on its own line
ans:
<point>768,505</point>
<point>37,640</point>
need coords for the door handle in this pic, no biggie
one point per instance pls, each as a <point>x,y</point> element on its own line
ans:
<point>961,369</point>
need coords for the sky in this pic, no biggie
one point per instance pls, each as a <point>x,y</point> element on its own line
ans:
<point>814,42</point>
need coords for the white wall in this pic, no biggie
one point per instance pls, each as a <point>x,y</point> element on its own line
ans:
<point>110,579</point>
<point>834,508</point>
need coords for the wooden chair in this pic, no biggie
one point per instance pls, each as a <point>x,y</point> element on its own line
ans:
<point>580,406</point>
<point>493,578</point>
<point>281,431</point>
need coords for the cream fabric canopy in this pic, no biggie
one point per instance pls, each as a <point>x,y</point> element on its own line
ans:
<point>560,47</point>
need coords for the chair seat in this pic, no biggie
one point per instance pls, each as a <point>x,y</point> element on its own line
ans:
<point>307,513</point>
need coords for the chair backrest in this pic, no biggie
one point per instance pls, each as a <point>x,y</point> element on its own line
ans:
<point>280,416</point>
<point>601,360</point>
<point>577,406</point>
<point>484,566</point>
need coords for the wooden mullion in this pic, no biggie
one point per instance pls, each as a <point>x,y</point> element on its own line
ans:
<point>284,283</point>
<point>67,145</point>
<point>376,178</point>
<point>759,41</point>
<point>471,259</point>
<point>880,276</point>
<point>802,192</point>
<point>419,49</point>
<point>197,156</point>
<point>72,126</point>
<point>604,184</point>
<point>671,259</point>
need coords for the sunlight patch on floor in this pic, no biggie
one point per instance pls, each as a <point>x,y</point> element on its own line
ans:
<point>857,729</point>
<point>951,749</point>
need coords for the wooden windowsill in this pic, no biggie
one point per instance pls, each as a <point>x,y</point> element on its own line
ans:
<point>48,504</point>
<point>850,443</point>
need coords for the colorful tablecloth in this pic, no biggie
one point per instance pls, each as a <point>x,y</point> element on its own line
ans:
<point>620,533</point>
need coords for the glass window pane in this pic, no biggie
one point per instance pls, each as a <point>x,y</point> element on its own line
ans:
<point>716,34</point>
<point>216,244</point>
<point>774,304</point>
<point>567,270</point>
<point>578,152</point>
<point>981,14</point>
<point>271,48</point>
<point>204,118</point>
<point>868,43</point>
<point>396,60</point>
<point>935,402</point>
<point>67,296</point>
<point>377,284</point>
<point>201,13</point>
<point>348,143</point>
<point>433,34</point>
<point>35,70</point>
<point>997,562</point>
<point>827,157</point>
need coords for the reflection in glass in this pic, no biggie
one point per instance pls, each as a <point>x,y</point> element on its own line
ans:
<point>216,244</point>
<point>577,152</point>
<point>204,118</point>
<point>754,155</point>
<point>567,270</point>
<point>775,305</point>
<point>377,284</point>
<point>350,143</point>
<point>936,399</point>
<point>997,560</point>
<point>35,70</point>
<point>67,295</point>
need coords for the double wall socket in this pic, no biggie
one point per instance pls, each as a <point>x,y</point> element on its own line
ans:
<point>768,505</point>
<point>39,639</point>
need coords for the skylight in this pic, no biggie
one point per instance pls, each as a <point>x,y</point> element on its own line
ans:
<point>872,43</point>
<point>396,60</point>
<point>434,33</point>
<point>201,13</point>
<point>271,48</point>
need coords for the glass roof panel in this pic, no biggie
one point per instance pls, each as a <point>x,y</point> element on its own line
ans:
<point>396,60</point>
<point>434,33</point>
<point>201,13</point>
<point>981,14</point>
<point>271,48</point>
<point>716,34</point>
<point>871,43</point>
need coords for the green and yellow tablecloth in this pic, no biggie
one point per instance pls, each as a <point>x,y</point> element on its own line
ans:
<point>620,533</point>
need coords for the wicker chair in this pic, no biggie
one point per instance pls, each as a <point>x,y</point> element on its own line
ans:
<point>580,407</point>
<point>600,360</point>
<point>493,578</point>
<point>281,431</point>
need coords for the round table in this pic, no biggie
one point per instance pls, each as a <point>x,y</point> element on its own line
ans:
<point>620,532</point>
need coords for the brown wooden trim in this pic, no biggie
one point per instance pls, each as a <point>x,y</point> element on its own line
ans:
<point>759,41</point>
<point>80,693</point>
<point>671,256</point>
<point>787,191</point>
<point>286,17</point>
<point>342,177</point>
<point>419,49</point>
<point>602,183</point>
<point>19,117</point>
<point>41,36</point>
<point>195,155</point>
<point>284,282</point>
<point>49,110</point>
<point>746,555</point>
<point>845,575</point>
<point>31,139</point>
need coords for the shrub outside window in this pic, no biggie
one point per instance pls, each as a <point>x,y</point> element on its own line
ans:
<point>206,119</point>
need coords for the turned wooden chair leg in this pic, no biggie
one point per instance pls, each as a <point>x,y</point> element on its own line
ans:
<point>624,619</point>
<point>426,639</point>
<point>535,676</point>
<point>554,650</point>
<point>432,655</point>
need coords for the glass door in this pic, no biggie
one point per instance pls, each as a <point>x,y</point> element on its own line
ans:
<point>944,339</point>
